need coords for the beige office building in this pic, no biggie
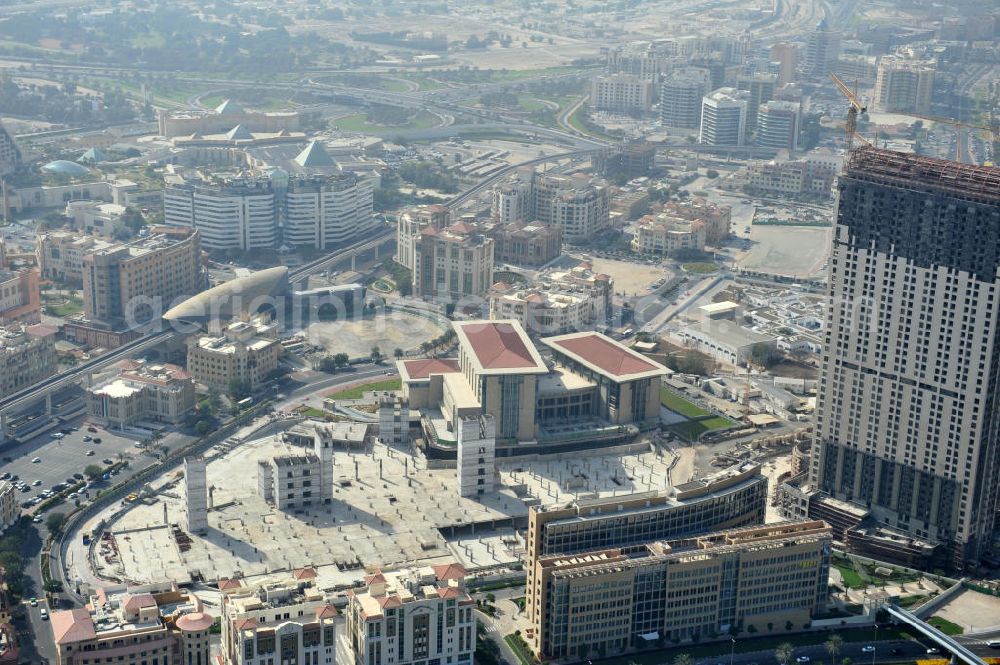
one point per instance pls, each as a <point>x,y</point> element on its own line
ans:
<point>134,283</point>
<point>753,580</point>
<point>411,616</point>
<point>453,263</point>
<point>244,352</point>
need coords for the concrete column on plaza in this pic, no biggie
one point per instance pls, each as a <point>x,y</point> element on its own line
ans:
<point>196,494</point>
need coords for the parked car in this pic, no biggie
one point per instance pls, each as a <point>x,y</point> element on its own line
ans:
<point>90,453</point>
<point>97,439</point>
<point>36,460</point>
<point>91,429</point>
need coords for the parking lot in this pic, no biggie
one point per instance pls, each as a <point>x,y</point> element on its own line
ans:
<point>60,458</point>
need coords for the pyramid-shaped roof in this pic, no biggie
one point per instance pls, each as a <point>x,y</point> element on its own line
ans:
<point>229,107</point>
<point>93,156</point>
<point>239,133</point>
<point>315,156</point>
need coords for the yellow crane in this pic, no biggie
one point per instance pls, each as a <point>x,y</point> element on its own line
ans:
<point>855,109</point>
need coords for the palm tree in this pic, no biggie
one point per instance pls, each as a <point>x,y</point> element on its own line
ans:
<point>783,653</point>
<point>834,646</point>
<point>683,659</point>
<point>398,353</point>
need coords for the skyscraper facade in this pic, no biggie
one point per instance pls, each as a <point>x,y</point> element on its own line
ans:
<point>907,408</point>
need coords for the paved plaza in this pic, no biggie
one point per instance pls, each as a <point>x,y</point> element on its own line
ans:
<point>389,509</point>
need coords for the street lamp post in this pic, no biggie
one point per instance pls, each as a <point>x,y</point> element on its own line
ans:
<point>876,641</point>
<point>732,649</point>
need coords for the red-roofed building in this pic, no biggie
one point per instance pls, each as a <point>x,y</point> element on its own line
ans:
<point>630,382</point>
<point>416,615</point>
<point>500,365</point>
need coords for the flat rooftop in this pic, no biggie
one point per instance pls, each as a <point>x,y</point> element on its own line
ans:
<point>605,356</point>
<point>499,347</point>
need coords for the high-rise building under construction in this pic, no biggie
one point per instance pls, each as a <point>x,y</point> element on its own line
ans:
<point>908,420</point>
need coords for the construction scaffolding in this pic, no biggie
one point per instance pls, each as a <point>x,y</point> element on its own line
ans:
<point>914,172</point>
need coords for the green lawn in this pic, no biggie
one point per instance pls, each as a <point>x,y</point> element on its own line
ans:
<point>61,306</point>
<point>358,122</point>
<point>520,648</point>
<point>851,578</point>
<point>424,81</point>
<point>945,626</point>
<point>701,267</point>
<point>313,412</point>
<point>692,429</point>
<point>148,40</point>
<point>357,392</point>
<point>679,405</point>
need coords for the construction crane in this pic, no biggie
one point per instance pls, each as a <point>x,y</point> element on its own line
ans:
<point>856,108</point>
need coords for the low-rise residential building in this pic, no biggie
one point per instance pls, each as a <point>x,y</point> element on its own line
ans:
<point>294,481</point>
<point>801,177</point>
<point>621,93</point>
<point>10,512</point>
<point>681,590</point>
<point>153,624</point>
<point>244,355</point>
<point>27,355</point>
<point>526,244</point>
<point>411,616</point>
<point>143,392</point>
<point>285,621</point>
<point>557,301</point>
<point>665,234</point>
<point>717,218</point>
<point>541,310</point>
